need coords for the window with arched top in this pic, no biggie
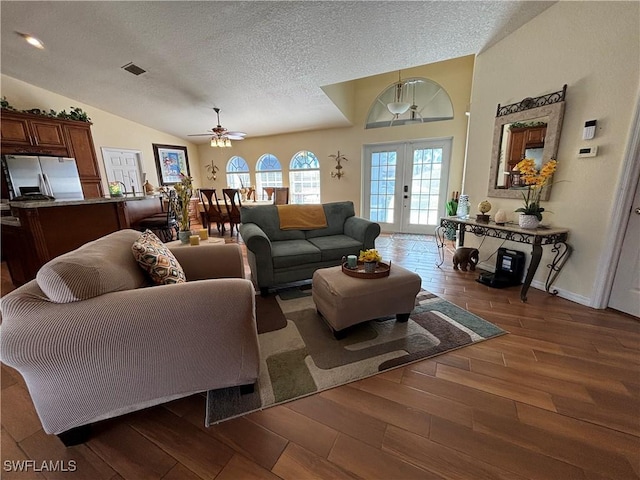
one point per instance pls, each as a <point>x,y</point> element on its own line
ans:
<point>304,178</point>
<point>414,100</point>
<point>268,174</point>
<point>238,173</point>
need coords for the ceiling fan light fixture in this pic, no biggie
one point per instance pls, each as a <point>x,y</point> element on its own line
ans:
<point>227,142</point>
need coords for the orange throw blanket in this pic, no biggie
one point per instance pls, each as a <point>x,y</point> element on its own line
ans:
<point>301,217</point>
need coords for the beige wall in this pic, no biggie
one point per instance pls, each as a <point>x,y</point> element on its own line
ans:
<point>108,130</point>
<point>454,75</point>
<point>594,48</point>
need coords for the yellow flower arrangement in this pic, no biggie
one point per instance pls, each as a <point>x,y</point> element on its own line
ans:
<point>184,189</point>
<point>370,255</point>
<point>535,181</point>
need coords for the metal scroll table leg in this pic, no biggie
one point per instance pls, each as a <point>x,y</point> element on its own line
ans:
<point>440,236</point>
<point>536,254</point>
<point>563,252</point>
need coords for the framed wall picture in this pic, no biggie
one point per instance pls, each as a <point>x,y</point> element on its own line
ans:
<point>171,161</point>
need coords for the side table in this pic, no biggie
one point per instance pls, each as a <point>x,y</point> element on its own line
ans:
<point>535,237</point>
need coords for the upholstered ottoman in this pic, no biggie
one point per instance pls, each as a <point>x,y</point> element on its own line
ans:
<point>344,301</point>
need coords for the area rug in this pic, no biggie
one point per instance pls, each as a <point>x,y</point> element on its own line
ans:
<point>299,355</point>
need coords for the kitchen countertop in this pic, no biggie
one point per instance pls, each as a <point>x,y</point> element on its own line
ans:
<point>88,201</point>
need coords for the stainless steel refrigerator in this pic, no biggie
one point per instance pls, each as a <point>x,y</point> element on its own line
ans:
<point>54,176</point>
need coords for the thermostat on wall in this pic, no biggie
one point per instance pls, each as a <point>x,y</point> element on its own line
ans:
<point>588,152</point>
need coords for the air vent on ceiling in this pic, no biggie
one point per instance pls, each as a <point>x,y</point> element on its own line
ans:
<point>132,68</point>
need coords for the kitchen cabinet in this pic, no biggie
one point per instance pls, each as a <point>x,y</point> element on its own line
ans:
<point>26,133</point>
<point>36,232</point>
<point>522,138</point>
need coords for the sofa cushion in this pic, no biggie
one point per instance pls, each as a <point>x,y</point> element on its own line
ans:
<point>98,267</point>
<point>334,247</point>
<point>293,253</point>
<point>157,260</point>
<point>336,213</point>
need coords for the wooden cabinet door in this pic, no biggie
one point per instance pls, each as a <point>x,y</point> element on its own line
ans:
<point>15,131</point>
<point>535,136</point>
<point>80,143</point>
<point>47,133</point>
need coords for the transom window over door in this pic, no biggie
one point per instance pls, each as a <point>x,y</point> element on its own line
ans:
<point>238,173</point>
<point>405,184</point>
<point>268,174</point>
<point>304,178</point>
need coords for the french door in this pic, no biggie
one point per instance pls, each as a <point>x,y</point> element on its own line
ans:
<point>405,184</point>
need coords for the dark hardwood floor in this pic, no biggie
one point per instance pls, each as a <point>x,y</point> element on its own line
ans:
<point>557,398</point>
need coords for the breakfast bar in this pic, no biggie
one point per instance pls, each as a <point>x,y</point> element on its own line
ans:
<point>37,231</point>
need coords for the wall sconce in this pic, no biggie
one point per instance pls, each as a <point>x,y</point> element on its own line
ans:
<point>213,169</point>
<point>338,158</point>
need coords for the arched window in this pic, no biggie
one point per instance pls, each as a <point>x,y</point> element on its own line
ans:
<point>268,174</point>
<point>238,173</point>
<point>424,101</point>
<point>304,178</point>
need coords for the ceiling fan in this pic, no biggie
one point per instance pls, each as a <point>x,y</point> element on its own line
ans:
<point>220,136</point>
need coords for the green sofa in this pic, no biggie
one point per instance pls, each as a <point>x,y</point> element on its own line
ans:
<point>280,256</point>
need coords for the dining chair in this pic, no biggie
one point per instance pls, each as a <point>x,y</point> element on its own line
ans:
<point>163,224</point>
<point>269,191</point>
<point>233,203</point>
<point>212,211</point>
<point>281,196</point>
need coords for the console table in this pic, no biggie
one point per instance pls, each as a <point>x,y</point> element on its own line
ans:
<point>535,237</point>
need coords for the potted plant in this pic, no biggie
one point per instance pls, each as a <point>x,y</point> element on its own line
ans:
<point>536,180</point>
<point>184,190</point>
<point>370,258</point>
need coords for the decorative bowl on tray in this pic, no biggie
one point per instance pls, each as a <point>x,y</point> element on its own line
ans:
<point>382,270</point>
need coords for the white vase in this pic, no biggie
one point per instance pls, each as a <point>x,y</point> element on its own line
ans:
<point>528,221</point>
<point>370,267</point>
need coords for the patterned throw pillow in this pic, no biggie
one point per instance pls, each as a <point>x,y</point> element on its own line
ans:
<point>158,261</point>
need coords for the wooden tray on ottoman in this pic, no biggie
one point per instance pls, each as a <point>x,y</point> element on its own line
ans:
<point>382,270</point>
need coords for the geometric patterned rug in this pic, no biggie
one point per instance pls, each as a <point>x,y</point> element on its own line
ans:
<point>299,355</point>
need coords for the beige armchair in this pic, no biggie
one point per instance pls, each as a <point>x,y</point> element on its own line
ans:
<point>130,345</point>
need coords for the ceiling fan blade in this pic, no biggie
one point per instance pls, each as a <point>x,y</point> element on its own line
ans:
<point>237,134</point>
<point>234,137</point>
<point>200,135</point>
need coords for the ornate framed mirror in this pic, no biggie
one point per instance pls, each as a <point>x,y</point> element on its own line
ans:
<point>527,129</point>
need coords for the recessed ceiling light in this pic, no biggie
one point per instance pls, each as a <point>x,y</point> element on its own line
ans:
<point>31,40</point>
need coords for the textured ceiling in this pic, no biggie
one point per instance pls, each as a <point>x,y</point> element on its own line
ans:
<point>262,63</point>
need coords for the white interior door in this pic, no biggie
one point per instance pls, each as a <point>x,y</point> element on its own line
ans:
<point>625,294</point>
<point>405,184</point>
<point>124,166</point>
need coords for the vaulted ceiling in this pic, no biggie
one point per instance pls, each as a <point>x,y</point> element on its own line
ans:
<point>262,63</point>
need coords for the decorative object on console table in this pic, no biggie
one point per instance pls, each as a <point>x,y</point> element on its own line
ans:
<point>171,162</point>
<point>500,217</point>
<point>463,207</point>
<point>535,180</point>
<point>483,207</point>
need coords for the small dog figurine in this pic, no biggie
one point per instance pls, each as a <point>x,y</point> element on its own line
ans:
<point>466,256</point>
